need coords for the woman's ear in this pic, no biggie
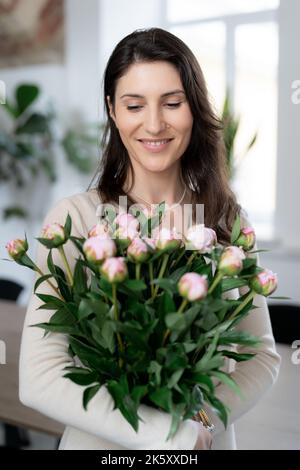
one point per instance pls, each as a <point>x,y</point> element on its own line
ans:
<point>110,106</point>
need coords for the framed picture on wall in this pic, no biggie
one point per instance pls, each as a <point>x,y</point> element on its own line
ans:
<point>31,32</point>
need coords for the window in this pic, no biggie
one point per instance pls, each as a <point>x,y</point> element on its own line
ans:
<point>236,44</point>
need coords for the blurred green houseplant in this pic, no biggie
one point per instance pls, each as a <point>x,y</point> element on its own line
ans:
<point>231,126</point>
<point>27,149</point>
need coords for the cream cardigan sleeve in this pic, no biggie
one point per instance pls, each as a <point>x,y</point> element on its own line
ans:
<point>42,363</point>
<point>256,376</point>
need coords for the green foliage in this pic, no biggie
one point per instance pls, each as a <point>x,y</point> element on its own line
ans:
<point>231,126</point>
<point>142,346</point>
<point>27,149</point>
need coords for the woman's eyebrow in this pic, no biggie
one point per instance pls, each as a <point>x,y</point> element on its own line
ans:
<point>168,93</point>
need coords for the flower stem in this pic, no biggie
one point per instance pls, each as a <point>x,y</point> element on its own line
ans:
<point>116,314</point>
<point>183,305</point>
<point>138,270</point>
<point>179,258</point>
<point>66,264</point>
<point>161,273</point>
<point>180,310</point>
<point>242,305</point>
<point>151,277</point>
<point>216,281</point>
<point>191,258</point>
<point>37,269</point>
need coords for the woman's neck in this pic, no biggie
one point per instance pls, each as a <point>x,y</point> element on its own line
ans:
<point>156,188</point>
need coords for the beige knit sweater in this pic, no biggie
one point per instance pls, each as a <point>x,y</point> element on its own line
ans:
<point>43,359</point>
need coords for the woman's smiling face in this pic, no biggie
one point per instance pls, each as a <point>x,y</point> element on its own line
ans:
<point>152,115</point>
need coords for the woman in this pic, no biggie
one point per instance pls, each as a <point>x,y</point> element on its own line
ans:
<point>162,142</point>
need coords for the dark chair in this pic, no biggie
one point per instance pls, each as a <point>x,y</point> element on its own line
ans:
<point>285,319</point>
<point>14,437</point>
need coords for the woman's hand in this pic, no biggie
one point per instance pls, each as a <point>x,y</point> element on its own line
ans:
<point>204,440</point>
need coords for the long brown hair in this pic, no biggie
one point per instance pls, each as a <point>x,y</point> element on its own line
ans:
<point>203,164</point>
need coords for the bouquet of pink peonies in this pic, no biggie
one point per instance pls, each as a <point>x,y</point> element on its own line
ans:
<point>147,317</point>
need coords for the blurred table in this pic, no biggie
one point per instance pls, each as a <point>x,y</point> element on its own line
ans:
<point>11,409</point>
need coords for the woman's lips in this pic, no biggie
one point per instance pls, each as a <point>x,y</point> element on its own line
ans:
<point>157,146</point>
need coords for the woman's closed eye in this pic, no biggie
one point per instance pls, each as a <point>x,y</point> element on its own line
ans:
<point>136,107</point>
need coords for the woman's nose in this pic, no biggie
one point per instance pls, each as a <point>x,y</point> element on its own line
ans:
<point>154,122</point>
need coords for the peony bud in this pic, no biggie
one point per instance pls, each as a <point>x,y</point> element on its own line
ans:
<point>127,222</point>
<point>100,230</point>
<point>170,239</point>
<point>55,233</point>
<point>264,283</point>
<point>193,286</point>
<point>138,251</point>
<point>126,234</point>
<point>201,238</point>
<point>97,249</point>
<point>231,261</point>
<point>114,269</point>
<point>246,238</point>
<point>16,248</point>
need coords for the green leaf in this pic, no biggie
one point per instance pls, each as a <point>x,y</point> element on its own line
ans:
<point>51,302</point>
<point>155,368</point>
<point>80,278</point>
<point>238,337</point>
<point>62,317</point>
<point>229,284</point>
<point>26,94</point>
<point>135,284</point>
<point>65,329</point>
<point>175,377</point>
<point>123,401</point>
<point>177,412</point>
<point>162,397</point>
<point>219,408</point>
<point>204,380</point>
<point>92,358</point>
<point>37,123</point>
<point>178,273</point>
<point>236,229</point>
<point>237,356</point>
<point>226,379</point>
<point>81,378</point>
<point>167,284</point>
<point>41,280</point>
<point>89,393</point>
<point>68,226</point>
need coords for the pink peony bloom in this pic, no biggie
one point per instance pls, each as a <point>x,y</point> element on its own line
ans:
<point>193,286</point>
<point>114,269</point>
<point>168,239</point>
<point>264,283</point>
<point>97,249</point>
<point>128,234</point>
<point>127,222</point>
<point>138,251</point>
<point>246,238</point>
<point>16,248</point>
<point>54,232</point>
<point>231,261</point>
<point>100,230</point>
<point>201,238</point>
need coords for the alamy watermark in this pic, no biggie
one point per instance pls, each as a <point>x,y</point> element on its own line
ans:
<point>295,97</point>
<point>296,354</point>
<point>180,219</point>
<point>2,352</point>
<point>2,92</point>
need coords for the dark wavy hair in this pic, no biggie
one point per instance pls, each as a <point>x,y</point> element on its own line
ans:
<point>203,164</point>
